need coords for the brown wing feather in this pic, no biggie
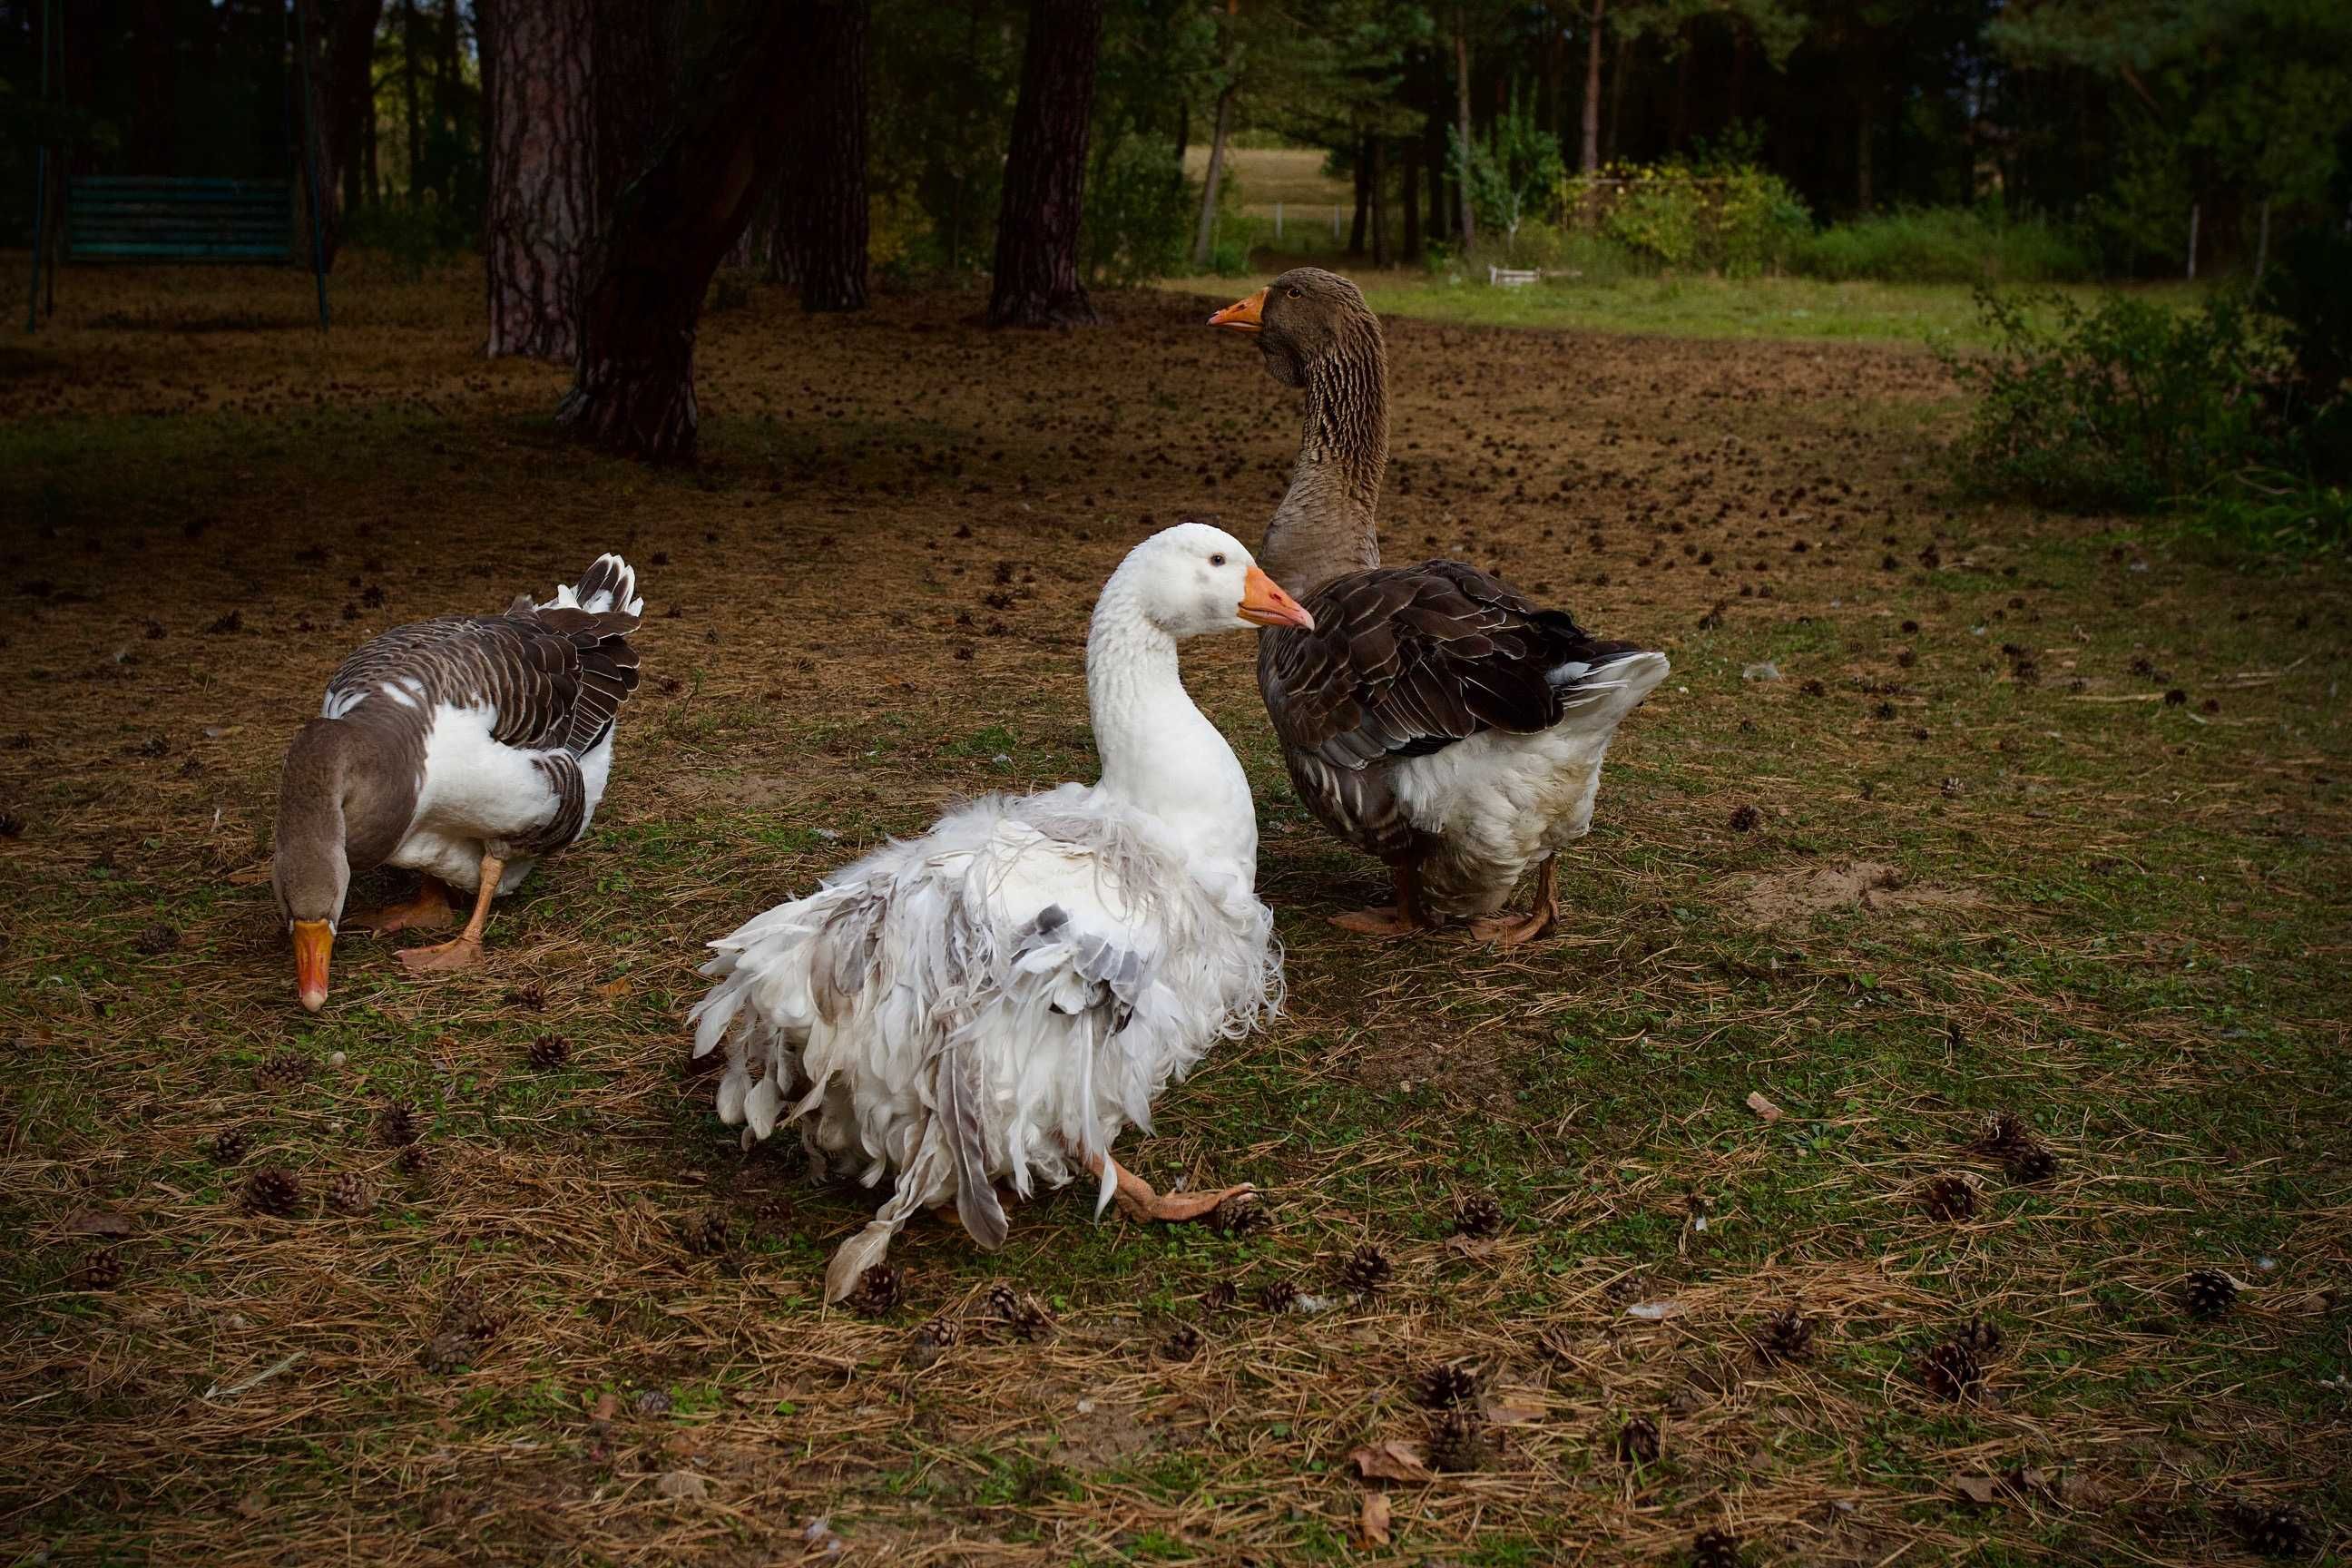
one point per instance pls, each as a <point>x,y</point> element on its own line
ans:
<point>1407,660</point>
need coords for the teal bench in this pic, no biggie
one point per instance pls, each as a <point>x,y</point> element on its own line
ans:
<point>130,218</point>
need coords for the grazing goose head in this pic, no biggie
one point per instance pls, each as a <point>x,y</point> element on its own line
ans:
<point>1192,580</point>
<point>337,794</point>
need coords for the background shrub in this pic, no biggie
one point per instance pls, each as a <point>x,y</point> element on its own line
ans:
<point>1736,219</point>
<point>1946,245</point>
<point>1138,215</point>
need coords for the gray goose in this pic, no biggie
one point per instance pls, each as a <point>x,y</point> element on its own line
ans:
<point>463,747</point>
<point>1434,717</point>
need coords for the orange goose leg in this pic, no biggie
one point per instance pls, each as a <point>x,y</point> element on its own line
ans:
<point>1402,918</point>
<point>1136,1198</point>
<point>429,909</point>
<point>1512,929</point>
<point>465,950</point>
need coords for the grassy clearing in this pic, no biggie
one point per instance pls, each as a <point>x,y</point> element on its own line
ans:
<point>1798,309</point>
<point>1991,867</point>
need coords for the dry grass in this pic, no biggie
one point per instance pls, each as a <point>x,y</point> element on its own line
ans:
<point>587,1328</point>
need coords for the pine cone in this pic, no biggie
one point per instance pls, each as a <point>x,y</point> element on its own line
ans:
<point>1452,1384</point>
<point>1951,1370</point>
<point>1239,1215</point>
<point>1458,1441</point>
<point>273,1190</point>
<point>2209,1293</point>
<point>531,997</point>
<point>99,1270</point>
<point>932,1341</point>
<point>1478,1216</point>
<point>1638,1441</point>
<point>158,938</point>
<point>2030,1163</point>
<point>2005,1131</point>
<point>877,1292</point>
<point>1746,819</point>
<point>548,1052</point>
<point>1365,1271</point>
<point>1220,1297</point>
<point>1950,1196</point>
<point>415,1161</point>
<point>350,1195</point>
<point>2272,1532</point>
<point>1277,1297</point>
<point>1715,1549</point>
<point>1787,1335</point>
<point>711,1234</point>
<point>283,1071</point>
<point>1983,1340</point>
<point>397,1126</point>
<point>1020,1315</point>
<point>227,1148</point>
<point>1183,1343</point>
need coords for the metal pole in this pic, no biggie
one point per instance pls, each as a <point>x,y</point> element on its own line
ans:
<point>310,158</point>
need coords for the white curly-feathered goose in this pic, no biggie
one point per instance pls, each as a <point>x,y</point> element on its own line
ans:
<point>464,747</point>
<point>1434,717</point>
<point>996,1000</point>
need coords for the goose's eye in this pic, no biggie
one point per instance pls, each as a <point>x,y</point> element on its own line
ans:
<point>1217,560</point>
<point>1292,290</point>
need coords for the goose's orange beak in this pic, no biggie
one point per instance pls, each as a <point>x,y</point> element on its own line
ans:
<point>1243,315</point>
<point>313,940</point>
<point>1264,604</point>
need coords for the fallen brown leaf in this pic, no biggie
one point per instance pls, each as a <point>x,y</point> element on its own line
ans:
<point>1374,1521</point>
<point>98,1220</point>
<point>1763,1107</point>
<point>1513,1411</point>
<point>1977,1489</point>
<point>1390,1462</point>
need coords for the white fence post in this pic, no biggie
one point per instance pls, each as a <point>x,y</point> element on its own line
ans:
<point>2193,242</point>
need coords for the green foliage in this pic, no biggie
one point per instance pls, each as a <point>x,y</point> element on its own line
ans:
<point>1510,173</point>
<point>2305,291</point>
<point>2124,408</point>
<point>1138,215</point>
<point>414,232</point>
<point>1736,219</point>
<point>1945,244</point>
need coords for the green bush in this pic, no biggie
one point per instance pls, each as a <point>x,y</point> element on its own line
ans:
<point>1138,215</point>
<point>414,232</point>
<point>1945,244</point>
<point>1732,218</point>
<point>2123,408</point>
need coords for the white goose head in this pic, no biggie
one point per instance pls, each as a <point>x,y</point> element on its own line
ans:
<point>1193,578</point>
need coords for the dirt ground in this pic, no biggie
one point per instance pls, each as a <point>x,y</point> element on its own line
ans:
<point>1947,810</point>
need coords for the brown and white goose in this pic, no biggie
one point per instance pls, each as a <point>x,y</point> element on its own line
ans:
<point>1434,717</point>
<point>463,747</point>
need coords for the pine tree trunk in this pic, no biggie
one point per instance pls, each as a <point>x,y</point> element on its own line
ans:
<point>342,102</point>
<point>1374,147</point>
<point>635,56</point>
<point>1204,235</point>
<point>1462,116</point>
<point>831,204</point>
<point>1591,161</point>
<point>409,73</point>
<point>152,119</point>
<point>1036,282</point>
<point>542,208</point>
<point>1357,220</point>
<point>1412,203</point>
<point>632,392</point>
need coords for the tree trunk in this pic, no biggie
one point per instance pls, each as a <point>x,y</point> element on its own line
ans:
<point>342,102</point>
<point>1363,209</point>
<point>632,392</point>
<point>152,119</point>
<point>1741,48</point>
<point>1462,116</point>
<point>409,72</point>
<point>1866,120</point>
<point>1433,158</point>
<point>1591,161</point>
<point>542,207</point>
<point>1411,205</point>
<point>831,154</point>
<point>1678,122</point>
<point>449,85</point>
<point>635,58</point>
<point>1617,93</point>
<point>1374,147</point>
<point>1204,234</point>
<point>1036,282</point>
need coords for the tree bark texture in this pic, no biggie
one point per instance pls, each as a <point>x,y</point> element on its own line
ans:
<point>1037,280</point>
<point>1462,115</point>
<point>1411,205</point>
<point>1363,212</point>
<point>829,208</point>
<point>409,70</point>
<point>1374,148</point>
<point>1205,236</point>
<point>1591,161</point>
<point>541,222</point>
<point>632,389</point>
